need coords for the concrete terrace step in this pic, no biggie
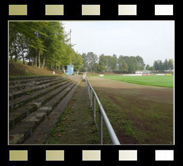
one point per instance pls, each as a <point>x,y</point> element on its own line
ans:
<point>25,129</point>
<point>30,79</point>
<point>16,103</point>
<point>18,115</point>
<point>42,131</point>
<point>29,84</point>
<point>20,93</point>
<point>25,77</point>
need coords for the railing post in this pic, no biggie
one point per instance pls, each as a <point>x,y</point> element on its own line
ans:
<point>100,128</point>
<point>89,91</point>
<point>91,98</point>
<point>89,94</point>
<point>95,103</point>
<point>94,108</point>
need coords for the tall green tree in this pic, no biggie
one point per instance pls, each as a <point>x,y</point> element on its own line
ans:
<point>102,65</point>
<point>92,62</point>
<point>84,62</point>
<point>147,67</point>
<point>166,64</point>
<point>43,43</point>
<point>114,63</point>
<point>77,62</point>
<point>122,63</point>
<point>170,64</point>
<point>140,63</point>
<point>156,65</point>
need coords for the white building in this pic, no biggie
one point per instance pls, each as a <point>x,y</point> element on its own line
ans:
<point>142,72</point>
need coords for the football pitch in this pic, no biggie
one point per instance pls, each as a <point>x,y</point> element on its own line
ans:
<point>152,80</point>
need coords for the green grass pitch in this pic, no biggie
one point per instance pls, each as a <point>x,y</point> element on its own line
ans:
<point>153,80</point>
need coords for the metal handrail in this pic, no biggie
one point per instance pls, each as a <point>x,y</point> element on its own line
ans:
<point>102,115</point>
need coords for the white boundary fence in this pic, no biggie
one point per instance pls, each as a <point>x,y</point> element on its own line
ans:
<point>102,115</point>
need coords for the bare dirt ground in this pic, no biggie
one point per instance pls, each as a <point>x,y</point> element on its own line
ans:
<point>139,114</point>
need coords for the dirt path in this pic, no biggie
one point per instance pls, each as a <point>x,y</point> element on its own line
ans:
<point>76,125</point>
<point>139,114</point>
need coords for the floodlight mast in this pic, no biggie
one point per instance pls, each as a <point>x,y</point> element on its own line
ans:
<point>70,46</point>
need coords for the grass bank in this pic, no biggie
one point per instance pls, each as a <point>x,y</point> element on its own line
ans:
<point>17,69</point>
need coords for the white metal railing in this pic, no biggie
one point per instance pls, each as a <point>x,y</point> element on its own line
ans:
<point>102,115</point>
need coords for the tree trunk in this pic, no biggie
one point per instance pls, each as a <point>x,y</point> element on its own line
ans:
<point>63,68</point>
<point>39,60</point>
<point>11,58</point>
<point>43,62</point>
<point>23,59</point>
<point>16,58</point>
<point>35,61</point>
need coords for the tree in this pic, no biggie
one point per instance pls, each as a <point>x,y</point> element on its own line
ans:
<point>166,64</point>
<point>26,34</point>
<point>44,43</point>
<point>156,65</point>
<point>152,68</point>
<point>132,64</point>
<point>84,63</point>
<point>161,65</point>
<point>122,63</point>
<point>147,67</point>
<point>170,64</point>
<point>102,66</point>
<point>92,61</point>
<point>114,63</point>
<point>140,62</point>
<point>77,62</point>
<point>110,62</point>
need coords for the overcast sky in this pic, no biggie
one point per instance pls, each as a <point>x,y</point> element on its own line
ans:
<point>152,40</point>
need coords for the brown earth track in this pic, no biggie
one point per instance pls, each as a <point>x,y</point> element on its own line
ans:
<point>139,114</point>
